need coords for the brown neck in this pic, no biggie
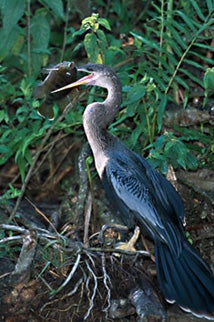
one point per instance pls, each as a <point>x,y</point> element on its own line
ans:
<point>96,119</point>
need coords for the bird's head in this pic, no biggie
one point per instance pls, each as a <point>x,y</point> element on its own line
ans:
<point>99,75</point>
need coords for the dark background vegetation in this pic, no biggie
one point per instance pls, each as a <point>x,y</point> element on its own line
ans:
<point>162,52</point>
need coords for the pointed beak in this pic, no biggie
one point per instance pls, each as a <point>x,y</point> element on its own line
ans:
<point>86,80</point>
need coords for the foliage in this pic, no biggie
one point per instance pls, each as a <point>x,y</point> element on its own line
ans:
<point>180,41</point>
<point>163,54</point>
<point>169,149</point>
<point>95,41</point>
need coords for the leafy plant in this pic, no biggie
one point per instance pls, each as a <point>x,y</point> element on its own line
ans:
<point>175,45</point>
<point>20,23</point>
<point>169,149</point>
<point>95,41</point>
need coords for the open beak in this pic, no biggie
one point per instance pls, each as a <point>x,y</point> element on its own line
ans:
<point>86,80</point>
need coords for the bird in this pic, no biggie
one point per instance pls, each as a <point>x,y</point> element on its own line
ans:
<point>144,197</point>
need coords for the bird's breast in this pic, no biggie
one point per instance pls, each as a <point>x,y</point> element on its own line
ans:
<point>101,161</point>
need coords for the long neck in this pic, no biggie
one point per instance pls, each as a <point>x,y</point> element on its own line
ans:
<point>96,119</point>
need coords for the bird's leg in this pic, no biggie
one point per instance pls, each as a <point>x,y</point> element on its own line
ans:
<point>129,246</point>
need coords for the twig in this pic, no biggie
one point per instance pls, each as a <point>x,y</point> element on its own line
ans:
<point>124,62</point>
<point>29,38</point>
<point>105,281</point>
<point>13,228</point>
<point>94,291</point>
<point>43,216</point>
<point>116,250</point>
<point>88,208</point>
<point>70,275</point>
<point>11,238</point>
<point>45,235</point>
<point>74,289</point>
<point>68,9</point>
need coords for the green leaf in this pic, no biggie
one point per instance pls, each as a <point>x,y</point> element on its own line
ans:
<point>169,145</point>
<point>55,6</point>
<point>154,74</point>
<point>161,110</point>
<point>205,46</point>
<point>182,82</point>
<point>146,41</point>
<point>79,32</point>
<point>191,134</point>
<point>210,6</point>
<point>102,41</point>
<point>90,43</point>
<point>28,156</point>
<point>135,93</point>
<point>91,23</point>
<point>174,47</point>
<point>135,135</point>
<point>12,11</point>
<point>20,161</point>
<point>188,21</point>
<point>193,63</point>
<point>191,161</point>
<point>209,79</point>
<point>4,149</point>
<point>40,32</point>
<point>202,57</point>
<point>182,29</point>
<point>8,40</point>
<point>103,22</point>
<point>177,39</point>
<point>198,10</point>
<point>191,76</point>
<point>4,114</point>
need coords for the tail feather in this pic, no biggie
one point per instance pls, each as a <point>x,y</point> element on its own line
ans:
<point>186,280</point>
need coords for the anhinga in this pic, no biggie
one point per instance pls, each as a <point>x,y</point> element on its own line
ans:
<point>144,197</point>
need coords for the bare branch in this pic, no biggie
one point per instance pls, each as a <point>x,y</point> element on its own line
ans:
<point>94,291</point>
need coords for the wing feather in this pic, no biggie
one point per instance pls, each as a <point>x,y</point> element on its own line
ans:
<point>143,196</point>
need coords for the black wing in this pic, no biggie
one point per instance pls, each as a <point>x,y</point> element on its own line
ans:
<point>143,196</point>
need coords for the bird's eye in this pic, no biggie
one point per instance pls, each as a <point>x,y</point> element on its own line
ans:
<point>90,68</point>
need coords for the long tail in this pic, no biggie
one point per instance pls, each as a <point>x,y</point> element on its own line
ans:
<point>186,280</point>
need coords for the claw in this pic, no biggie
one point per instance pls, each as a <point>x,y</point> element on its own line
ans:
<point>129,246</point>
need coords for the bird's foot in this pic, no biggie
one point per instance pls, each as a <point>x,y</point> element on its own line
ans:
<point>130,245</point>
